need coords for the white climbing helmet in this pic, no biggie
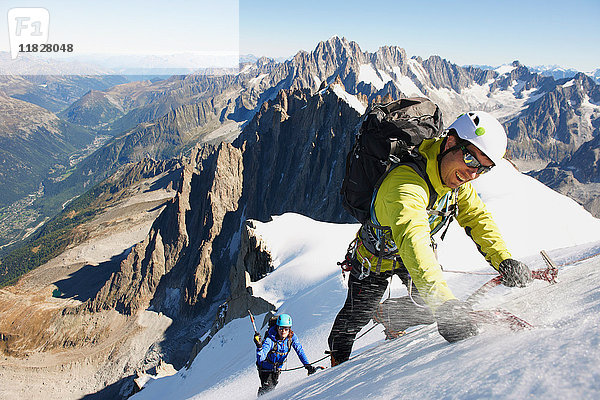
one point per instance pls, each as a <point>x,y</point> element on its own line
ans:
<point>483,131</point>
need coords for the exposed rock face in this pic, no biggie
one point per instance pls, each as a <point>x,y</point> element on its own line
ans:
<point>164,138</point>
<point>146,168</point>
<point>254,261</point>
<point>578,176</point>
<point>563,181</point>
<point>44,341</point>
<point>253,258</point>
<point>444,74</point>
<point>177,251</point>
<point>585,162</point>
<point>546,120</point>
<point>122,107</point>
<point>554,126</point>
<point>564,127</point>
<point>294,155</point>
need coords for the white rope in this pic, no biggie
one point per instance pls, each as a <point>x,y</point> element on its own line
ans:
<point>410,284</point>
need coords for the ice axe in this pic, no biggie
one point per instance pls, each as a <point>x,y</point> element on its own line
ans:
<point>549,274</point>
<point>257,338</point>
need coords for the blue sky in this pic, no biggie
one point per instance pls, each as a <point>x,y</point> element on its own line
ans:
<point>463,31</point>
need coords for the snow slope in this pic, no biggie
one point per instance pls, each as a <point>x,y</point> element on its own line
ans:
<point>560,358</point>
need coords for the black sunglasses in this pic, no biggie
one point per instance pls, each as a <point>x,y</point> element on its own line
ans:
<point>472,161</point>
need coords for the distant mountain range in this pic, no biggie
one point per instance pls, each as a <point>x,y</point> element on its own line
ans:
<point>118,64</point>
<point>54,92</point>
<point>555,71</point>
<point>558,72</point>
<point>547,120</point>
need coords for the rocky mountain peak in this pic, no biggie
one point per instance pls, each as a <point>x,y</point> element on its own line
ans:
<point>389,56</point>
<point>338,46</point>
<point>338,81</point>
<point>587,84</point>
<point>444,74</point>
<point>263,61</point>
<point>284,157</point>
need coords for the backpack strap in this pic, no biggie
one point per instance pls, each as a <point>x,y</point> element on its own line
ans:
<point>289,347</point>
<point>374,235</point>
<point>418,164</point>
<point>289,342</point>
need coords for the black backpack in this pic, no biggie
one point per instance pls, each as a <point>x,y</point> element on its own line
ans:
<point>389,136</point>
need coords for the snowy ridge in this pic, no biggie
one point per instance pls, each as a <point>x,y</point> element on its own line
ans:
<point>406,85</point>
<point>348,98</point>
<point>368,74</point>
<point>558,359</point>
<point>257,79</point>
<point>417,69</point>
<point>505,69</point>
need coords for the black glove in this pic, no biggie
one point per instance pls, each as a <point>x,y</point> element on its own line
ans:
<point>514,273</point>
<point>454,321</point>
<point>257,340</point>
<point>311,370</point>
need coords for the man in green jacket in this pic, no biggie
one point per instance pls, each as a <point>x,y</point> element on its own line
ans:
<point>474,144</point>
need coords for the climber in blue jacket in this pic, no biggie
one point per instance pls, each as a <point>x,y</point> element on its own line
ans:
<point>273,351</point>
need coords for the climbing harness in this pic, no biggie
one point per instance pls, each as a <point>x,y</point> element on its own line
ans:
<point>446,210</point>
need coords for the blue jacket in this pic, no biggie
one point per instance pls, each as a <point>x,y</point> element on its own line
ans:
<point>273,352</point>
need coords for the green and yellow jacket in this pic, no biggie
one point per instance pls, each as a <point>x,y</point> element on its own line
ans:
<point>401,203</point>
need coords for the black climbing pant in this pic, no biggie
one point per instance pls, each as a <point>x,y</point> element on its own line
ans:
<point>268,380</point>
<point>360,306</point>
